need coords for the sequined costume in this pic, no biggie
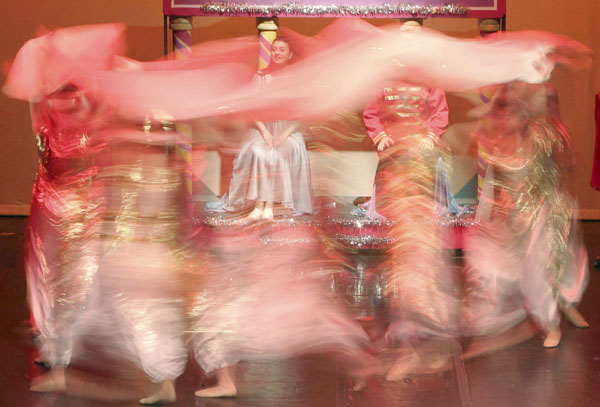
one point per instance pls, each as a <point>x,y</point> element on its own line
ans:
<point>61,257</point>
<point>262,173</point>
<point>101,259</point>
<point>529,257</point>
<point>401,108</point>
<point>420,285</point>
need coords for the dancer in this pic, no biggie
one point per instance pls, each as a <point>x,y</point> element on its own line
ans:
<point>61,243</point>
<point>91,222</point>
<point>140,270</point>
<point>262,301</point>
<point>529,259</point>
<point>405,121</point>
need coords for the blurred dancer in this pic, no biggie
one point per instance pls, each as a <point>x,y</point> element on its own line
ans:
<point>272,165</point>
<point>529,259</point>
<point>261,300</point>
<point>62,234</point>
<point>405,122</point>
<point>100,239</point>
<point>140,270</point>
<point>61,243</point>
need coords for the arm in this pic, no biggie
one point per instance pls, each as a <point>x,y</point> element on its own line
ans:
<point>286,133</point>
<point>374,126</point>
<point>265,133</point>
<point>438,114</point>
<point>438,118</point>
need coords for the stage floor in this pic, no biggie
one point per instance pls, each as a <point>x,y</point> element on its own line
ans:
<point>522,375</point>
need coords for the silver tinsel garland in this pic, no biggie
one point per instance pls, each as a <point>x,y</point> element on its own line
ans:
<point>308,10</point>
<point>364,241</point>
<point>344,221</point>
<point>349,240</point>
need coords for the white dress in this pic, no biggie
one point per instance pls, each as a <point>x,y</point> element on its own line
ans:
<point>279,175</point>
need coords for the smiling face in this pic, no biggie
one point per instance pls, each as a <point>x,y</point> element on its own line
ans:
<point>281,54</point>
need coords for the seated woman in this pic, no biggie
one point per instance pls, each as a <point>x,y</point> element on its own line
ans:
<point>272,164</point>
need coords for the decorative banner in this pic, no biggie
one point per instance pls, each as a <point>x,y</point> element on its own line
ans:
<point>319,8</point>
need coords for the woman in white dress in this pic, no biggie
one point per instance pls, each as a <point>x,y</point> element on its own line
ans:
<point>272,164</point>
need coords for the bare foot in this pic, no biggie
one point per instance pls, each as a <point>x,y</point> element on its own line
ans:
<point>218,391</point>
<point>435,364</point>
<point>370,367</point>
<point>575,317</point>
<point>360,366</point>
<point>552,339</point>
<point>52,382</point>
<point>427,359</point>
<point>225,386</point>
<point>403,366</point>
<point>166,394</point>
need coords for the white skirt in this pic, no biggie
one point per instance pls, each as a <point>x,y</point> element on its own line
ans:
<point>278,175</point>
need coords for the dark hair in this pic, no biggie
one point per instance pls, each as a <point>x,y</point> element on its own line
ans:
<point>285,39</point>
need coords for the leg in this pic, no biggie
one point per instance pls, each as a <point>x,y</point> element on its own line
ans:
<point>428,357</point>
<point>225,386</point>
<point>487,344</point>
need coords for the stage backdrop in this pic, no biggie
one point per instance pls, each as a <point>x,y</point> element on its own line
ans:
<point>144,20</point>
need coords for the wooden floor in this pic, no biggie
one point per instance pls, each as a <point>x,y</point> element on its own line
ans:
<point>521,375</point>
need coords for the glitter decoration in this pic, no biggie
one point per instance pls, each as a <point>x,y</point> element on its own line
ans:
<point>289,241</point>
<point>229,221</point>
<point>344,221</point>
<point>457,221</point>
<point>332,10</point>
<point>360,222</point>
<point>364,241</point>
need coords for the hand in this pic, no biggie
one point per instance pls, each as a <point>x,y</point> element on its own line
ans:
<point>426,144</point>
<point>385,142</point>
<point>278,141</point>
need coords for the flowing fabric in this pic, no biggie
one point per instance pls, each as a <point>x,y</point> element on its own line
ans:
<point>321,83</point>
